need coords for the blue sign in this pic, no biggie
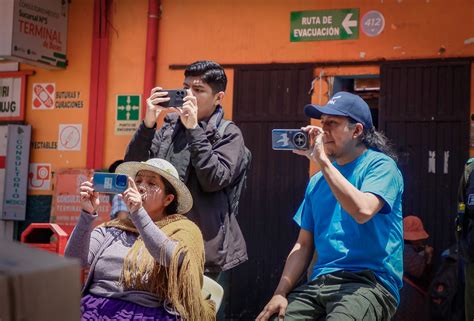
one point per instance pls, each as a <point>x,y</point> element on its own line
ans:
<point>373,23</point>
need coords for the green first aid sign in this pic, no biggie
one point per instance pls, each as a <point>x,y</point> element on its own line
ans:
<point>341,24</point>
<point>128,107</point>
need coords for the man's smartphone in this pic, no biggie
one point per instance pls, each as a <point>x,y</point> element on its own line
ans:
<point>289,139</point>
<point>176,98</point>
<point>110,183</point>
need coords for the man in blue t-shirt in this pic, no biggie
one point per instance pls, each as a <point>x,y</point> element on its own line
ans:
<point>351,217</point>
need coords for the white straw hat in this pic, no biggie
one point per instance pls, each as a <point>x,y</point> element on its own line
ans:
<point>166,171</point>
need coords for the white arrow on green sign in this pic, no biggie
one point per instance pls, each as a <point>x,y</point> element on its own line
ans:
<point>340,24</point>
<point>128,107</point>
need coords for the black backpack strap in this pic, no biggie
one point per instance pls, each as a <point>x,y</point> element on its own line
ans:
<point>235,189</point>
<point>221,130</point>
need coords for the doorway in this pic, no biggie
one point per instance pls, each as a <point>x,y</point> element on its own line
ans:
<point>267,97</point>
<point>424,110</point>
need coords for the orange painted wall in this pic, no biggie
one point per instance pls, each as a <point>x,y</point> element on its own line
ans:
<point>126,67</point>
<point>233,32</point>
<point>247,32</point>
<point>257,31</point>
<point>76,77</point>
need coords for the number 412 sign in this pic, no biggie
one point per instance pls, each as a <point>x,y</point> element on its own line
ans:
<point>373,23</point>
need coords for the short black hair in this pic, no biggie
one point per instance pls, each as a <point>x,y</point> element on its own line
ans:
<point>210,72</point>
<point>172,208</point>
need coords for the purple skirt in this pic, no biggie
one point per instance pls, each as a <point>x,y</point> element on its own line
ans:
<point>99,308</point>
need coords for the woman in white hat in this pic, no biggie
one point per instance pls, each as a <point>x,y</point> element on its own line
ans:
<point>149,265</point>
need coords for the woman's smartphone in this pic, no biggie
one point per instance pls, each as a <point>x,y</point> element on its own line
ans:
<point>289,139</point>
<point>110,183</point>
<point>176,98</point>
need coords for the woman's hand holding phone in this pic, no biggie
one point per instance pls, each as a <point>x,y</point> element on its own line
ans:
<point>132,197</point>
<point>89,198</point>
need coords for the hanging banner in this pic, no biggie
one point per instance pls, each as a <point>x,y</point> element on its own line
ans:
<point>16,176</point>
<point>35,31</point>
<point>66,206</point>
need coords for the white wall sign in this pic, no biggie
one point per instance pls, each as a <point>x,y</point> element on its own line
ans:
<point>16,176</point>
<point>446,162</point>
<point>43,96</point>
<point>39,176</point>
<point>432,161</point>
<point>70,137</point>
<point>10,97</point>
<point>34,31</point>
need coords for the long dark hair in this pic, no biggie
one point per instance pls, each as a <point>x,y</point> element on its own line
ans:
<point>172,208</point>
<point>376,140</point>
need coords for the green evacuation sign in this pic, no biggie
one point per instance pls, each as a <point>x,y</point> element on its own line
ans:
<point>128,107</point>
<point>341,24</point>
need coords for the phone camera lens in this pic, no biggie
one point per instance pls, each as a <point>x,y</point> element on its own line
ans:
<point>300,140</point>
<point>121,180</point>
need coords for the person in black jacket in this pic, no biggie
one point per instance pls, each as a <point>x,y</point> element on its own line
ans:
<point>206,162</point>
<point>466,235</point>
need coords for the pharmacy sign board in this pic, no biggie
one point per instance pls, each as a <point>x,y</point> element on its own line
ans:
<point>338,24</point>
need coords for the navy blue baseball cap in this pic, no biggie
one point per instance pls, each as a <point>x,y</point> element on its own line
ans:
<point>343,104</point>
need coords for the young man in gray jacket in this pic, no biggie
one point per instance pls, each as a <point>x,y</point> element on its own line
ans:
<point>206,162</point>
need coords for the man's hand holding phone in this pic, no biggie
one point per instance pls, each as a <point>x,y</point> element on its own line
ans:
<point>316,151</point>
<point>189,112</point>
<point>154,107</point>
<point>162,100</point>
<point>181,101</point>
